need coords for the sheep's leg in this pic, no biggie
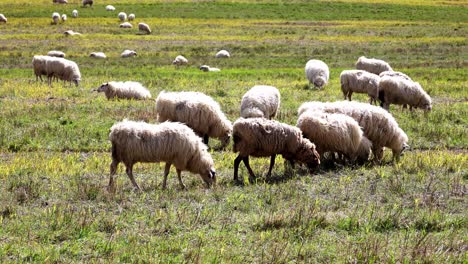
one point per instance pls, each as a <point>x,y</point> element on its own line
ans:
<point>251,173</point>
<point>236,167</point>
<point>350,93</point>
<point>130,175</point>
<point>113,170</point>
<point>272,163</point>
<point>205,139</point>
<point>182,185</point>
<point>166,172</point>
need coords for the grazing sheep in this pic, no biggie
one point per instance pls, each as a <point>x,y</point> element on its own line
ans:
<point>62,69</point>
<point>88,2</point>
<point>126,25</point>
<point>397,90</point>
<point>128,53</point>
<point>71,33</point>
<point>124,90</point>
<point>260,101</point>
<point>261,137</point>
<point>98,55</point>
<point>60,1</point>
<point>122,16</point>
<point>64,17</point>
<point>222,54</point>
<point>56,53</point>
<point>180,60</point>
<point>374,66</point>
<point>395,74</point>
<point>359,81</point>
<point>110,8</point>
<point>131,17</point>
<point>173,143</point>
<point>198,111</point>
<point>207,68</point>
<point>378,125</point>
<point>143,27</point>
<point>39,66</point>
<point>55,18</point>
<point>75,13</point>
<point>3,19</point>
<point>317,73</point>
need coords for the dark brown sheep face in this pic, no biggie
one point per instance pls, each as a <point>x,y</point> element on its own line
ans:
<point>209,178</point>
<point>313,159</point>
<point>102,88</point>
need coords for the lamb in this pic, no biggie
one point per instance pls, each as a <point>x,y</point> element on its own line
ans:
<point>397,90</point>
<point>143,27</point>
<point>180,60</point>
<point>131,17</point>
<point>395,74</point>
<point>222,54</point>
<point>88,2</point>
<point>374,66</point>
<point>110,8</point>
<point>173,143</point>
<point>63,69</point>
<point>126,25</point>
<point>64,17</point>
<point>199,111</point>
<point>317,73</point>
<point>39,66</point>
<point>360,81</point>
<point>71,33</point>
<point>98,55</point>
<point>55,18</point>
<point>122,16</point>
<point>3,19</point>
<point>260,101</point>
<point>75,13</point>
<point>260,137</point>
<point>56,53</point>
<point>207,68</point>
<point>124,90</point>
<point>378,125</point>
<point>128,53</point>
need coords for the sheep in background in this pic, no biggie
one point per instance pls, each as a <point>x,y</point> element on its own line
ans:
<point>60,1</point>
<point>131,17</point>
<point>259,137</point>
<point>71,33</point>
<point>198,111</point>
<point>3,19</point>
<point>180,60</point>
<point>395,74</point>
<point>64,17</point>
<point>122,16</point>
<point>144,28</point>
<point>317,73</point>
<point>397,90</point>
<point>124,90</point>
<point>222,54</point>
<point>260,101</point>
<point>55,18</point>
<point>62,69</point>
<point>128,53</point>
<point>126,25</point>
<point>98,55</point>
<point>110,8</point>
<point>88,2</point>
<point>374,66</point>
<point>56,53</point>
<point>173,143</point>
<point>75,13</point>
<point>39,66</point>
<point>359,81</point>
<point>207,68</point>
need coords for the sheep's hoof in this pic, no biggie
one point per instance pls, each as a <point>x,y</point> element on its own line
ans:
<point>183,187</point>
<point>111,188</point>
<point>238,182</point>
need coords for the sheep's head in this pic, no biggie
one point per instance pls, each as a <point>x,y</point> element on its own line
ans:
<point>319,82</point>
<point>103,87</point>
<point>205,68</point>
<point>76,82</point>
<point>308,154</point>
<point>207,170</point>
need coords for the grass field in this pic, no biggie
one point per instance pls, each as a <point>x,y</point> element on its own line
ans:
<point>55,153</point>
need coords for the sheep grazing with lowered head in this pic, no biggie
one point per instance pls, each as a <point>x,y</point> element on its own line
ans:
<point>64,17</point>
<point>3,19</point>
<point>39,66</point>
<point>143,27</point>
<point>222,54</point>
<point>75,13</point>
<point>87,2</point>
<point>62,69</point>
<point>317,73</point>
<point>125,25</point>
<point>124,90</point>
<point>131,17</point>
<point>55,18</point>
<point>122,16</point>
<point>180,60</point>
<point>198,111</point>
<point>359,81</point>
<point>260,101</point>
<point>56,53</point>
<point>98,55</point>
<point>397,90</point>
<point>374,66</point>
<point>207,68</point>
<point>71,33</point>
<point>173,143</point>
<point>110,8</point>
<point>260,137</point>
<point>128,53</point>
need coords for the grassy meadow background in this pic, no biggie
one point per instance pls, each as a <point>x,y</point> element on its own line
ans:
<point>54,148</point>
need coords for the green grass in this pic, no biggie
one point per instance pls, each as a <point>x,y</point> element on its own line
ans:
<point>54,148</point>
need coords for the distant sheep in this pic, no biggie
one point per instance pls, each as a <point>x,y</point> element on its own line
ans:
<point>128,53</point>
<point>207,68</point>
<point>222,54</point>
<point>359,81</point>
<point>60,1</point>
<point>374,66</point>
<point>131,17</point>
<point>88,2</point>
<point>110,8</point>
<point>64,17</point>
<point>397,90</point>
<point>126,25</point>
<point>144,28</point>
<point>260,101</point>
<point>56,53</point>
<point>180,60</point>
<point>259,137</point>
<point>173,143</point>
<point>122,16</point>
<point>124,90</point>
<point>39,66</point>
<point>317,73</point>
<point>62,69</point>
<point>55,18</point>
<point>98,55</point>
<point>3,19</point>
<point>198,111</point>
<point>71,33</point>
<point>75,13</point>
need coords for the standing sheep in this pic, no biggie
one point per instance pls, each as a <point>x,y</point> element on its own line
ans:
<point>260,101</point>
<point>98,55</point>
<point>317,73</point>
<point>124,90</point>
<point>56,53</point>
<point>222,54</point>
<point>360,81</point>
<point>395,74</point>
<point>39,66</point>
<point>110,8</point>
<point>198,111</point>
<point>374,66</point>
<point>180,60</point>
<point>75,13</point>
<point>173,143</point>
<point>207,68</point>
<point>122,16</point>
<point>144,28</point>
<point>3,19</point>
<point>55,18</point>
<point>62,69</point>
<point>64,17</point>
<point>397,90</point>
<point>261,137</point>
<point>131,17</point>
<point>128,53</point>
<point>87,2</point>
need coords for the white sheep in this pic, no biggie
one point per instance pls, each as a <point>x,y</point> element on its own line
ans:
<point>198,111</point>
<point>207,68</point>
<point>374,66</point>
<point>56,53</point>
<point>398,90</point>
<point>62,69</point>
<point>260,101</point>
<point>98,55</point>
<point>143,27</point>
<point>260,137</point>
<point>122,16</point>
<point>317,73</point>
<point>39,66</point>
<point>126,25</point>
<point>131,17</point>
<point>88,2</point>
<point>3,19</point>
<point>173,143</point>
<point>124,90</point>
<point>222,54</point>
<point>75,13</point>
<point>378,125</point>
<point>110,8</point>
<point>359,81</point>
<point>64,17</point>
<point>71,33</point>
<point>128,53</point>
<point>180,60</point>
<point>55,18</point>
<point>60,1</point>
<point>394,74</point>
